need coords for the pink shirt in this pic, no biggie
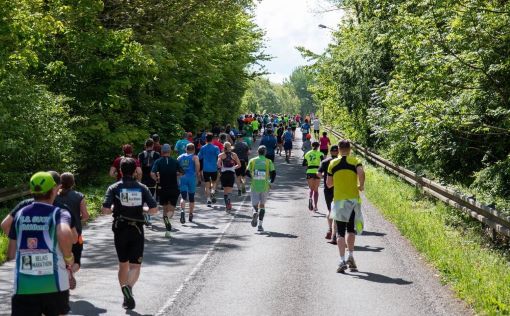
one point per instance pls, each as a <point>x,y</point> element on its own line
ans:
<point>325,142</point>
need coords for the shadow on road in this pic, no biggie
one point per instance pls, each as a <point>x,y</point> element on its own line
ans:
<point>368,248</point>
<point>377,234</point>
<point>278,235</point>
<point>379,278</point>
<point>86,308</point>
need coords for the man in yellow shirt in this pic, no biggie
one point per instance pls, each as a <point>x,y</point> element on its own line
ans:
<point>344,174</point>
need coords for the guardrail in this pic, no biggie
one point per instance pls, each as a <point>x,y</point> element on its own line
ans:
<point>498,222</point>
<point>8,194</point>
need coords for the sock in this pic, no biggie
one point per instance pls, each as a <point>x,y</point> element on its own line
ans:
<point>261,214</point>
<point>260,222</point>
<point>350,253</point>
<point>316,197</point>
<point>225,197</point>
<point>342,258</point>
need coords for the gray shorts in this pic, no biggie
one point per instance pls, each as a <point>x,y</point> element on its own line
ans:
<point>258,197</point>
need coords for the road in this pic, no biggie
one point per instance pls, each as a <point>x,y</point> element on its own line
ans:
<point>220,265</point>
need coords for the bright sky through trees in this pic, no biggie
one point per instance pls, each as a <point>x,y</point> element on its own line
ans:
<point>291,23</point>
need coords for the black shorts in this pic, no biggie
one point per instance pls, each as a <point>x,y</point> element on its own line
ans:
<point>50,304</point>
<point>210,176</point>
<point>279,140</point>
<point>228,178</point>
<point>325,152</point>
<point>241,171</point>
<point>129,242</point>
<point>168,196</point>
<point>341,226</point>
<point>270,157</point>
<point>312,176</point>
<point>287,145</point>
<point>293,129</point>
<point>77,250</point>
<point>328,195</point>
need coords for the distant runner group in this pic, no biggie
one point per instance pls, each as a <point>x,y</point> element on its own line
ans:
<point>45,231</point>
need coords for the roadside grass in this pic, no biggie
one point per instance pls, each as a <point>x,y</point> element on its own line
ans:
<point>94,193</point>
<point>453,243</point>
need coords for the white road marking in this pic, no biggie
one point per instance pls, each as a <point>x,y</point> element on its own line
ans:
<point>170,302</point>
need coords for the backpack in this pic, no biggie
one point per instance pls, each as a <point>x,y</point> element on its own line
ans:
<point>229,162</point>
<point>148,159</point>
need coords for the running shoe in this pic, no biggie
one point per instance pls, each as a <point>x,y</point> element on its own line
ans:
<point>310,205</point>
<point>332,241</point>
<point>183,220</point>
<point>209,203</point>
<point>260,228</point>
<point>168,226</point>
<point>72,280</point>
<point>316,210</point>
<point>243,189</point>
<point>239,193</point>
<point>129,300</point>
<point>213,198</point>
<point>328,235</point>
<point>229,206</point>
<point>190,217</point>
<point>352,264</point>
<point>341,267</point>
<point>254,219</point>
<point>147,219</point>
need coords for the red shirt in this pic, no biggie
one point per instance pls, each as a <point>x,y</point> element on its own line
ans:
<point>157,147</point>
<point>218,144</point>
<point>116,165</point>
<point>324,142</point>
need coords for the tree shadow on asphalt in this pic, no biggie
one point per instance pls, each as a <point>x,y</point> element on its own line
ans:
<point>377,234</point>
<point>368,248</point>
<point>379,278</point>
<point>198,225</point>
<point>85,308</point>
<point>278,235</point>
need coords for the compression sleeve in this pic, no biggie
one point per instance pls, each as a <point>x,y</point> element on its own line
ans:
<point>273,175</point>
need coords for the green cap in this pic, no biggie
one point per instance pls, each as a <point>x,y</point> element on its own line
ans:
<point>42,182</point>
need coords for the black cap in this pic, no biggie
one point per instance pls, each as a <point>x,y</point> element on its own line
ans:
<point>334,148</point>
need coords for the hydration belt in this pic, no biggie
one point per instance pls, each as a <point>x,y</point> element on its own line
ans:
<point>129,221</point>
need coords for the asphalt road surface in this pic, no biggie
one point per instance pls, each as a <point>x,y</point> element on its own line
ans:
<point>220,265</point>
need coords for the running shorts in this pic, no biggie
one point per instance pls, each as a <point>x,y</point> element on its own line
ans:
<point>293,129</point>
<point>77,250</point>
<point>188,184</point>
<point>341,226</point>
<point>228,178</point>
<point>287,145</point>
<point>258,197</point>
<point>279,139</point>
<point>210,176</point>
<point>325,152</point>
<point>270,157</point>
<point>311,176</point>
<point>241,171</point>
<point>168,196</point>
<point>129,242</point>
<point>37,304</point>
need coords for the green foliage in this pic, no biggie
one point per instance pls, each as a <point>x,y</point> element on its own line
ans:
<point>112,72</point>
<point>427,84</point>
<point>263,96</point>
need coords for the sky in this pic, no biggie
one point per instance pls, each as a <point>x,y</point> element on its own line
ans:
<point>291,23</point>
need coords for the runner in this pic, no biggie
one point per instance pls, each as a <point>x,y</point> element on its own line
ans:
<point>293,126</point>
<point>255,126</point>
<point>216,142</point>
<point>270,142</point>
<point>157,145</point>
<point>307,144</point>
<point>328,193</point>
<point>262,172</point>
<point>127,149</point>
<point>316,128</point>
<point>188,182</point>
<point>43,252</point>
<point>343,174</point>
<point>128,197</point>
<point>305,129</point>
<point>165,171</point>
<point>248,134</point>
<point>243,153</point>
<point>325,143</point>
<point>312,162</point>
<point>180,146</point>
<point>279,139</point>
<point>147,158</point>
<point>77,206</point>
<point>287,144</point>
<point>228,162</point>
<point>209,155</point>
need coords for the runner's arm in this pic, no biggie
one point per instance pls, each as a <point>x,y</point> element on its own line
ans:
<point>113,172</point>
<point>6,224</point>
<point>107,202</point>
<point>219,161</point>
<point>238,162</point>
<point>329,180</point>
<point>197,167</point>
<point>11,249</point>
<point>151,202</point>
<point>361,177</point>
<point>84,211</point>
<point>65,235</point>
<point>138,173</point>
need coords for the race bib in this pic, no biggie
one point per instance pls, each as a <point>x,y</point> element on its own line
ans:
<point>131,197</point>
<point>36,263</point>
<point>259,175</point>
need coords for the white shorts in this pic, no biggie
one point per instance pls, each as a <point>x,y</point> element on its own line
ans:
<point>258,197</point>
<point>342,210</point>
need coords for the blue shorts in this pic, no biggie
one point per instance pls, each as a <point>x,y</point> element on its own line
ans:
<point>188,184</point>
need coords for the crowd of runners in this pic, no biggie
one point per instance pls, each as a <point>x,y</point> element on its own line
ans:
<point>45,231</point>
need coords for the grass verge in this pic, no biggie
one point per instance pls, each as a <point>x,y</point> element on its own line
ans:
<point>453,243</point>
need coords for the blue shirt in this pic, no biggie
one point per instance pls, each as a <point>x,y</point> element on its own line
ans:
<point>305,128</point>
<point>187,164</point>
<point>270,143</point>
<point>209,154</point>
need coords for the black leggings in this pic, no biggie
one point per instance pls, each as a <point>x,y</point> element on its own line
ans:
<point>341,226</point>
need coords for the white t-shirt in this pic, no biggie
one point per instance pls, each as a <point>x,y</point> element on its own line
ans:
<point>316,123</point>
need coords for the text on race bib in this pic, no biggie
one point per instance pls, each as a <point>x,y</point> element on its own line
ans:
<point>131,197</point>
